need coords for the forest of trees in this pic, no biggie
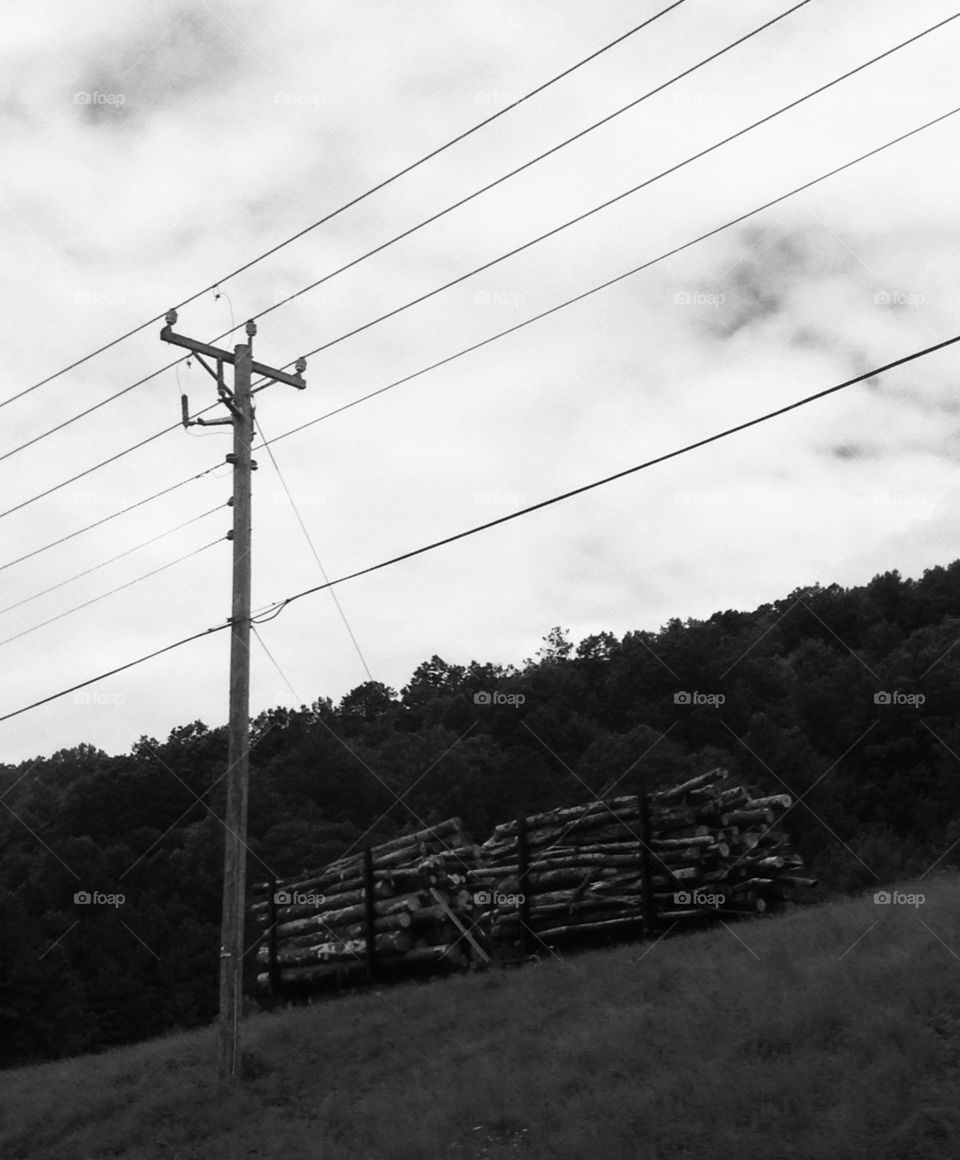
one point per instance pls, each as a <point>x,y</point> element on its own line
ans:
<point>799,679</point>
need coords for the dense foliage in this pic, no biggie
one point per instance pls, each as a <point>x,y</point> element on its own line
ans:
<point>786,696</point>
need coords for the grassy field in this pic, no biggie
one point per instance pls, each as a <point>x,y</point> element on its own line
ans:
<point>832,1032</point>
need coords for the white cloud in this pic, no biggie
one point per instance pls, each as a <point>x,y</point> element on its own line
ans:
<point>237,130</point>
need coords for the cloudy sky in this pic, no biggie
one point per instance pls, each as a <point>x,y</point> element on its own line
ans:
<point>154,148</point>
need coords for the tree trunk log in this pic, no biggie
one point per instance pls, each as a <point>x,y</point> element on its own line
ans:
<point>348,914</point>
<point>676,792</point>
<point>339,950</point>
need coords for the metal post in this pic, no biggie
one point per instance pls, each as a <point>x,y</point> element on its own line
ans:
<point>523,865</point>
<point>369,914</point>
<point>649,902</point>
<point>273,968</point>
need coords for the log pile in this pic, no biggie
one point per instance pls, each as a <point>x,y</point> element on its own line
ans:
<point>419,910</point>
<point>714,850</point>
<point>699,851</point>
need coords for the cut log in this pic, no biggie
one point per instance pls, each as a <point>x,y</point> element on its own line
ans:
<point>562,816</point>
<point>705,841</point>
<point>604,926</point>
<point>778,801</point>
<point>348,914</point>
<point>391,943</point>
<point>443,830</point>
<point>401,921</point>
<point>676,792</point>
<point>742,886</point>
<point>748,816</point>
<point>463,930</point>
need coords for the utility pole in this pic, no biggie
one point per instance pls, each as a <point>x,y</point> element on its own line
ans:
<point>239,402</point>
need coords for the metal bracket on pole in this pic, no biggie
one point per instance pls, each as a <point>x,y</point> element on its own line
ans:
<point>228,356</point>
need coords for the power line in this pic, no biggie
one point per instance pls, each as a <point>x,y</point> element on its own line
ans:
<point>107,519</point>
<point>347,205</point>
<point>613,281</point>
<point>540,157</point>
<point>119,669</point>
<point>419,226</point>
<point>281,604</point>
<point>503,257</point>
<point>275,663</point>
<point>316,555</point>
<point>90,470</point>
<point>112,592</point>
<point>500,334</point>
<point>618,475</point>
<point>628,192</point>
<point>113,559</point>
<point>503,333</point>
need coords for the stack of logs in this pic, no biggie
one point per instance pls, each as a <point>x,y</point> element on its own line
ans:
<point>315,928</point>
<point>712,850</point>
<point>697,851</point>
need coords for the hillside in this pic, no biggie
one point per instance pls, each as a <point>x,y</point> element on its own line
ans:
<point>831,1032</point>
<point>844,699</point>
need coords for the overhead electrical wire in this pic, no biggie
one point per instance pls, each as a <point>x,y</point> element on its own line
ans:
<point>617,475</point>
<point>627,192</point>
<point>534,160</point>
<point>112,592</point>
<point>119,669</point>
<point>610,281</point>
<point>106,519</point>
<point>276,664</point>
<point>313,549</point>
<point>113,559</point>
<point>520,325</point>
<point>280,605</point>
<point>414,229</point>
<point>495,261</point>
<point>349,204</point>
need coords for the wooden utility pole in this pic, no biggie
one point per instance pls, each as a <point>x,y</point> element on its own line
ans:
<point>239,402</point>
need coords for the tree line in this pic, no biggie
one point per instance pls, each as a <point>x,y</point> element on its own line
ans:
<point>843,697</point>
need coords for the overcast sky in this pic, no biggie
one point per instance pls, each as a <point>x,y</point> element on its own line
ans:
<point>154,147</point>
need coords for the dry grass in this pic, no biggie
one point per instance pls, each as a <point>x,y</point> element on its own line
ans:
<point>786,1039</point>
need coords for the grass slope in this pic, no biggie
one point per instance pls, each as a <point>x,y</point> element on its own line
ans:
<point>814,1034</point>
